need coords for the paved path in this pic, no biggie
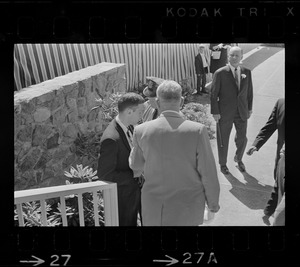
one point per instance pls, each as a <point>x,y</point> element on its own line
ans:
<point>244,195</point>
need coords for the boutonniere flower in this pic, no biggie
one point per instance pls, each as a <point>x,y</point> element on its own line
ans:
<point>243,76</point>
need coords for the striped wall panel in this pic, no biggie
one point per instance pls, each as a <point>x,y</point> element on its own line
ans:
<point>35,63</point>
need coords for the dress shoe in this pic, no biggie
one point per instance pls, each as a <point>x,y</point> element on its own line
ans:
<point>241,165</point>
<point>224,169</point>
<point>266,220</point>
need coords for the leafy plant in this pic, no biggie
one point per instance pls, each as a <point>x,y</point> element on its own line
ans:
<point>32,215</point>
<point>186,86</point>
<point>199,113</point>
<point>85,174</point>
<point>109,107</point>
<point>82,175</point>
<point>88,146</point>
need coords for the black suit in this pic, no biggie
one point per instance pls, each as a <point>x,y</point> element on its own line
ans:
<point>234,105</point>
<point>275,122</point>
<point>113,166</point>
<point>201,73</point>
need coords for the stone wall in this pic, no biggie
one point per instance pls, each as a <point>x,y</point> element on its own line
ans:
<point>48,116</point>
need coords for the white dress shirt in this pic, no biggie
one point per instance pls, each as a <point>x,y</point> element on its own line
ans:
<point>238,72</point>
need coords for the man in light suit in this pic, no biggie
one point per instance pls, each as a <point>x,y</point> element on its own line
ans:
<point>113,164</point>
<point>179,167</point>
<point>231,103</point>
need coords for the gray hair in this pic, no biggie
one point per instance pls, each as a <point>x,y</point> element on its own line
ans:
<point>235,48</point>
<point>169,91</point>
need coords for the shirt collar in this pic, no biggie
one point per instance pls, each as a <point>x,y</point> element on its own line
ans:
<point>233,68</point>
<point>125,129</point>
<point>172,111</point>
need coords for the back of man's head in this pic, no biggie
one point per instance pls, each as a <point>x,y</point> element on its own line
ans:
<point>129,100</point>
<point>169,91</point>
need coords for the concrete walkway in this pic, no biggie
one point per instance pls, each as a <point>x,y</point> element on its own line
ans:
<point>244,195</point>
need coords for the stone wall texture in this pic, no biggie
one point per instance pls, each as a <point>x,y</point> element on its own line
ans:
<point>48,116</point>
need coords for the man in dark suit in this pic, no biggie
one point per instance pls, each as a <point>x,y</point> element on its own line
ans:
<point>275,122</point>
<point>231,103</point>
<point>201,67</point>
<point>113,166</point>
<point>279,213</point>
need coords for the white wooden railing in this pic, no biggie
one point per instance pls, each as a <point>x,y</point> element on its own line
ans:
<point>41,194</point>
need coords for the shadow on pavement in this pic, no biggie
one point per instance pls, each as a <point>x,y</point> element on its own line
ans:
<point>251,194</point>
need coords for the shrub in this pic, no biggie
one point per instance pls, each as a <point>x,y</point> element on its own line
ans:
<point>32,215</point>
<point>199,113</point>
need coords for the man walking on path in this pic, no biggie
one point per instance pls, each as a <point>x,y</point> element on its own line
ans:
<point>178,163</point>
<point>275,122</point>
<point>231,103</point>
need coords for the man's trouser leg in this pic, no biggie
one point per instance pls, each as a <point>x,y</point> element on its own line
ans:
<point>225,129</point>
<point>279,215</point>
<point>198,83</point>
<point>240,136</point>
<point>203,81</point>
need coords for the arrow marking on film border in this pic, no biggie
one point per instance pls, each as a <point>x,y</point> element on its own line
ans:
<point>170,262</point>
<point>38,262</point>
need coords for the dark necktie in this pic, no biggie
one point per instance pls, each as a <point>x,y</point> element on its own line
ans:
<point>236,78</point>
<point>130,133</point>
<point>155,113</point>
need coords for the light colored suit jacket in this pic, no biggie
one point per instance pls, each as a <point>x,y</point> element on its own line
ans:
<point>226,98</point>
<point>179,169</point>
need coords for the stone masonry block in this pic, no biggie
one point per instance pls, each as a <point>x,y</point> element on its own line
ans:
<point>25,148</point>
<point>70,131</point>
<point>30,160</point>
<point>41,164</point>
<point>93,114</point>
<point>59,117</point>
<point>28,107</point>
<point>58,101</point>
<point>82,126</point>
<point>26,119</point>
<point>71,103</point>
<point>17,148</point>
<point>91,100</point>
<point>81,102</point>
<point>41,114</point>
<point>40,134</point>
<point>25,133</point>
<point>53,141</point>
<point>68,161</point>
<point>81,89</point>
<point>72,116</point>
<point>61,152</point>
<point>49,96</point>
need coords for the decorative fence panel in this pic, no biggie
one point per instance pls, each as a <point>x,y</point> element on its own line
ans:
<point>42,194</point>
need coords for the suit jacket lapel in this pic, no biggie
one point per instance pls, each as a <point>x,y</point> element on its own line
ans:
<point>122,135</point>
<point>241,78</point>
